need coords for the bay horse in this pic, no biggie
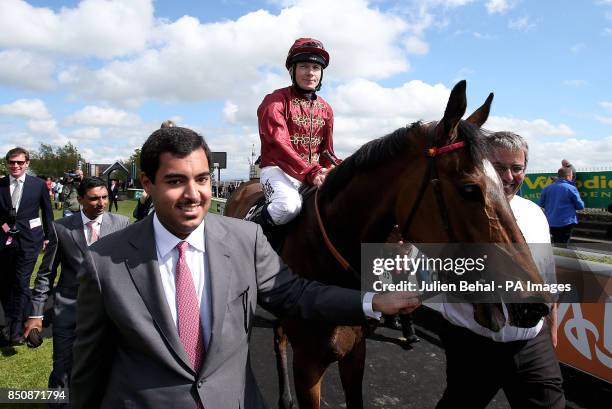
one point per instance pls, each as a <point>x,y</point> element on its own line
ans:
<point>434,181</point>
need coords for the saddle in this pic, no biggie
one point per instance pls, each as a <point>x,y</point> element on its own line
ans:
<point>276,234</point>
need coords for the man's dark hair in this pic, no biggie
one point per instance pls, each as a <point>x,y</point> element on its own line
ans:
<point>18,151</point>
<point>178,141</point>
<point>89,183</point>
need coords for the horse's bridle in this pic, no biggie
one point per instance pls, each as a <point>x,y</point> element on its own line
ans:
<point>431,176</point>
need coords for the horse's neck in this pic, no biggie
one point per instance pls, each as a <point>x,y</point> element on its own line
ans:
<point>358,216</point>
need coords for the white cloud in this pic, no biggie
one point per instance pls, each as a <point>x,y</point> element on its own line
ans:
<point>447,3</point>
<point>100,116</point>
<point>529,129</point>
<point>194,61</point>
<point>576,48</point>
<point>575,83</point>
<point>498,6</point>
<point>607,105</point>
<point>412,101</point>
<point>604,119</point>
<point>22,69</point>
<point>358,120</point>
<point>521,24</point>
<point>416,45</point>
<point>102,28</point>
<point>482,36</point>
<point>89,133</point>
<point>582,153</point>
<point>43,127</point>
<point>27,108</point>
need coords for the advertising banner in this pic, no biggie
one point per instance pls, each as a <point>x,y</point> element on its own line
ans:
<point>595,187</point>
<point>585,337</point>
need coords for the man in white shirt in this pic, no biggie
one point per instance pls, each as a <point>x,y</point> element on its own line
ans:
<point>25,228</point>
<point>74,235</point>
<point>165,314</point>
<point>521,361</point>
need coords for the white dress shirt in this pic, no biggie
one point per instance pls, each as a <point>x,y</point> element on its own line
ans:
<point>96,226</point>
<point>21,180</point>
<point>532,222</point>
<point>167,256</point>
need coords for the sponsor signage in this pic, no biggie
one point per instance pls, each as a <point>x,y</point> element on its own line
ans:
<point>585,337</point>
<point>595,187</point>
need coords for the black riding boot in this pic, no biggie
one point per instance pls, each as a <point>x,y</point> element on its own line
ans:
<point>262,217</point>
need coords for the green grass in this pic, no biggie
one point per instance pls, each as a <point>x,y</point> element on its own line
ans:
<point>580,256</point>
<point>23,367</point>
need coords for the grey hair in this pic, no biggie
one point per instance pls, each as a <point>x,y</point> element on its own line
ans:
<point>509,141</point>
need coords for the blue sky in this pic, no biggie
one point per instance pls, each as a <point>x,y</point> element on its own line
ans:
<point>104,74</point>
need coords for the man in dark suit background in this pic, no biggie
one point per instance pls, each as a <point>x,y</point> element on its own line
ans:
<point>113,191</point>
<point>23,232</point>
<point>74,235</point>
<point>164,313</point>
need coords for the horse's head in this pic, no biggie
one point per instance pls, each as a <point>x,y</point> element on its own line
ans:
<point>459,196</point>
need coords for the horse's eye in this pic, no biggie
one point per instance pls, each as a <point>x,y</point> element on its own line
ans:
<point>471,191</point>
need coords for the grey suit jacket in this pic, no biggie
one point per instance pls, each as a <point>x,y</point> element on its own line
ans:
<point>127,352</point>
<point>67,249</point>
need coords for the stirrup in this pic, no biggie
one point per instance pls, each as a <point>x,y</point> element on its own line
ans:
<point>260,216</point>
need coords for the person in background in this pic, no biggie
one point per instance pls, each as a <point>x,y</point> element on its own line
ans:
<point>144,207</point>
<point>560,200</point>
<point>566,164</point>
<point>113,191</point>
<point>49,183</point>
<point>25,220</point>
<point>74,234</point>
<point>70,192</point>
<point>57,190</point>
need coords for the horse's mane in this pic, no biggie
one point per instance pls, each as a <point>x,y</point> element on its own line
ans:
<point>369,155</point>
<point>386,148</point>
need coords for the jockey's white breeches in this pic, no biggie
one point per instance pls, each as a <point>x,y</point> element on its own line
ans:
<point>282,196</point>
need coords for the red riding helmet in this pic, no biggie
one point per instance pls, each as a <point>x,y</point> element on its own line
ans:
<point>307,50</point>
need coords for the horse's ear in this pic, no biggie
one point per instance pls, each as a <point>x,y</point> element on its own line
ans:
<point>455,108</point>
<point>480,116</point>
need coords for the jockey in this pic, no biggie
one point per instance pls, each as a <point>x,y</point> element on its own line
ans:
<point>295,127</point>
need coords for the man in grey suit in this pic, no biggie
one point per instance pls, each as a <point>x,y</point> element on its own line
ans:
<point>165,312</point>
<point>73,236</point>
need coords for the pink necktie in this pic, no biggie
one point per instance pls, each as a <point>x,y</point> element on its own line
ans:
<point>93,234</point>
<point>188,310</point>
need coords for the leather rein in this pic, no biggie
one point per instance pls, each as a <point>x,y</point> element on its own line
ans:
<point>430,178</point>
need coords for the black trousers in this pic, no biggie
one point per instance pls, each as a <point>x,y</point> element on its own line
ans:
<point>112,200</point>
<point>63,340</point>
<point>17,267</point>
<point>478,367</point>
<point>562,234</point>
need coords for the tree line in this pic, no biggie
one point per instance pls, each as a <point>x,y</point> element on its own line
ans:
<point>54,161</point>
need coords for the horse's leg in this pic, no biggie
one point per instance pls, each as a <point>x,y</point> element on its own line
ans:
<point>351,368</point>
<point>308,369</point>
<point>285,400</point>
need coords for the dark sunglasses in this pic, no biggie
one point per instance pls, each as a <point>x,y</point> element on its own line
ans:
<point>17,162</point>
